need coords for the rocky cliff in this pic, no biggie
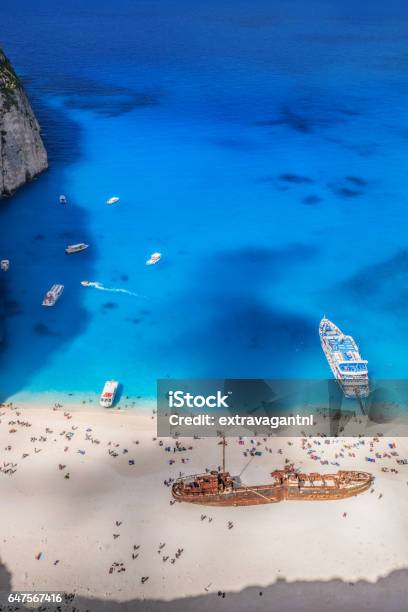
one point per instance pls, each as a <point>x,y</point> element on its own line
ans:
<point>22,152</point>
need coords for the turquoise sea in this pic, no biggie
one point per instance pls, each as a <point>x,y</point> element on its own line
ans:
<point>260,146</point>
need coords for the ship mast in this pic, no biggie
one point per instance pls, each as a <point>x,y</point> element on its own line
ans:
<point>224,444</point>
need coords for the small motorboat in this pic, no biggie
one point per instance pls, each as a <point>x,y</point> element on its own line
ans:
<point>62,199</point>
<point>86,283</point>
<point>108,393</point>
<point>4,265</point>
<point>76,248</point>
<point>112,200</point>
<point>154,258</point>
<point>53,295</point>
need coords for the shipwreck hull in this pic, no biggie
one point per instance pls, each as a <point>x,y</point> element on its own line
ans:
<point>266,494</point>
<point>239,497</point>
<point>323,494</point>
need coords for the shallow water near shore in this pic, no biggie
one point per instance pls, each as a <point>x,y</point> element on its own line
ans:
<point>260,148</point>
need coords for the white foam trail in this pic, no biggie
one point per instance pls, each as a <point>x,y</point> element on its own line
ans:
<point>101,287</point>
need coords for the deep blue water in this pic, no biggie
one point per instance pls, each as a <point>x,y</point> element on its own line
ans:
<point>260,146</point>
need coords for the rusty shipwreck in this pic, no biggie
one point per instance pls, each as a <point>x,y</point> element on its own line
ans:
<point>219,488</point>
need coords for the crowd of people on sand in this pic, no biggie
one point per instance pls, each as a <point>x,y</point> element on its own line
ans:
<point>119,566</point>
<point>114,450</point>
<point>322,449</point>
<point>319,449</point>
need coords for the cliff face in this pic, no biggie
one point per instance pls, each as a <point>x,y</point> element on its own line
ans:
<point>22,152</point>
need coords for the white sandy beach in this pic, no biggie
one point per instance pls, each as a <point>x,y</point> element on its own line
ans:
<point>108,510</point>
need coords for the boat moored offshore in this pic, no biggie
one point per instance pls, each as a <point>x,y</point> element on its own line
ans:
<point>345,361</point>
<point>53,295</point>
<point>153,259</point>
<point>112,200</point>
<point>76,248</point>
<point>108,393</point>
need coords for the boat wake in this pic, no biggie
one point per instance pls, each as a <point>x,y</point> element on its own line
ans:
<point>101,287</point>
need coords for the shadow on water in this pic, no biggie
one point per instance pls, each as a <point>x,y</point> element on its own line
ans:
<point>106,99</point>
<point>118,396</point>
<point>387,401</point>
<point>382,285</point>
<point>243,331</point>
<point>35,231</point>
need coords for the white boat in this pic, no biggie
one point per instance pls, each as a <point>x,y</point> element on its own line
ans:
<point>76,248</point>
<point>62,199</point>
<point>4,265</point>
<point>112,200</point>
<point>108,394</point>
<point>343,356</point>
<point>53,295</point>
<point>86,283</point>
<point>154,258</point>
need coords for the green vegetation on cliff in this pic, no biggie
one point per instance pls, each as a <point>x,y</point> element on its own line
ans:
<point>9,82</point>
<point>8,78</point>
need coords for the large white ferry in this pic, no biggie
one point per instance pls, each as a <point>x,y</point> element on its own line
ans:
<point>349,369</point>
<point>108,394</point>
<point>52,295</point>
